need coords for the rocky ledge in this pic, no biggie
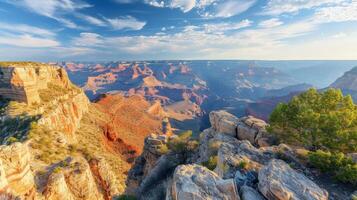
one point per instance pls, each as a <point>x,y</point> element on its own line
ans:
<point>248,165</point>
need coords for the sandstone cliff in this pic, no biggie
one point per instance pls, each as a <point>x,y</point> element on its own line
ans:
<point>58,145</point>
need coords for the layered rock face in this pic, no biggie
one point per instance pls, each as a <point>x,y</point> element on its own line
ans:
<point>54,160</point>
<point>74,182</point>
<point>246,167</point>
<point>16,176</point>
<point>22,82</point>
<point>66,114</point>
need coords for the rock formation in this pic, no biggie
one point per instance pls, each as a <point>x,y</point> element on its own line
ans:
<point>22,82</point>
<point>246,167</point>
<point>278,181</point>
<point>197,182</point>
<point>16,176</point>
<point>69,148</point>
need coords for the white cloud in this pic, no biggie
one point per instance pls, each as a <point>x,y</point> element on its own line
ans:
<point>277,7</point>
<point>184,5</point>
<point>92,20</point>
<point>233,7</point>
<point>223,27</point>
<point>155,3</point>
<point>28,41</point>
<point>88,39</point>
<point>341,13</point>
<point>25,29</point>
<point>207,8</point>
<point>127,22</point>
<point>270,23</point>
<point>53,8</point>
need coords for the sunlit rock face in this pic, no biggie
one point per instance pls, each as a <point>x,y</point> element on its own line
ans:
<point>16,176</point>
<point>22,82</point>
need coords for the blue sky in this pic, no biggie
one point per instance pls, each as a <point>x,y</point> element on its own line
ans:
<point>95,30</point>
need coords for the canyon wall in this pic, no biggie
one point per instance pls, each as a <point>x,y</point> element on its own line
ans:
<point>22,82</point>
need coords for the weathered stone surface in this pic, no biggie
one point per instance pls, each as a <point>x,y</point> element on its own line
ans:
<point>57,188</point>
<point>277,181</point>
<point>246,133</point>
<point>248,193</point>
<point>23,82</point>
<point>254,130</point>
<point>143,169</point>
<point>66,115</point>
<point>194,182</point>
<point>73,182</point>
<point>224,122</point>
<point>245,178</point>
<point>235,154</point>
<point>16,175</point>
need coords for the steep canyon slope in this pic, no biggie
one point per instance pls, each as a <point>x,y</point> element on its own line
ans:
<point>58,145</point>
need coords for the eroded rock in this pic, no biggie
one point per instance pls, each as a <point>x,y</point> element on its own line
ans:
<point>194,182</point>
<point>224,122</point>
<point>277,181</point>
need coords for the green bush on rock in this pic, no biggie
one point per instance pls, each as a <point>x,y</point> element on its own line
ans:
<point>326,120</point>
<point>342,167</point>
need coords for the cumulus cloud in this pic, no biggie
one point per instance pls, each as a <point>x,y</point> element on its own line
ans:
<point>127,22</point>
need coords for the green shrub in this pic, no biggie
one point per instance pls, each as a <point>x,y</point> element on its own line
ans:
<point>57,170</point>
<point>343,168</point>
<point>11,140</point>
<point>183,143</point>
<point>211,163</point>
<point>163,149</point>
<point>243,164</point>
<point>326,120</point>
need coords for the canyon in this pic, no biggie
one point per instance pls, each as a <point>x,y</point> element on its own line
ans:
<point>129,139</point>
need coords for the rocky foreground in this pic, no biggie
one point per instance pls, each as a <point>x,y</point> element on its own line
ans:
<point>247,167</point>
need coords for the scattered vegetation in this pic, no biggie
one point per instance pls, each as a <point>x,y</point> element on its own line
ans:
<point>183,143</point>
<point>211,163</point>
<point>243,164</point>
<point>325,123</point>
<point>341,166</point>
<point>326,120</point>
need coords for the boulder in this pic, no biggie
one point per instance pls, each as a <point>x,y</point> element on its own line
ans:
<point>194,182</point>
<point>254,130</point>
<point>277,181</point>
<point>235,154</point>
<point>248,193</point>
<point>224,122</point>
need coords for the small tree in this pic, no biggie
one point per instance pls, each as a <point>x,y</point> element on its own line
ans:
<point>326,120</point>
